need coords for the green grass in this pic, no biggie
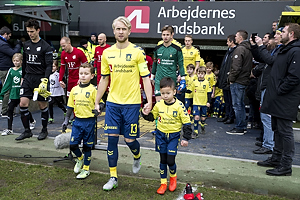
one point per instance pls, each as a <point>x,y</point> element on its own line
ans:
<point>296,125</point>
<point>25,181</point>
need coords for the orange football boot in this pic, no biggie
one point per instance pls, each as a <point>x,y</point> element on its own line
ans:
<point>162,189</point>
<point>173,183</point>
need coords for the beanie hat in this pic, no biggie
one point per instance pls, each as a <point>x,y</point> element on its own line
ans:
<point>83,41</point>
<point>280,29</point>
<point>95,34</point>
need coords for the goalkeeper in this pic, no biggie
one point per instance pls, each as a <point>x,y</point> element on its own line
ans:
<point>36,68</point>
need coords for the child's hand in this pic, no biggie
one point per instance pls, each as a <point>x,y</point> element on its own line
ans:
<point>62,84</point>
<point>184,143</point>
<point>208,105</point>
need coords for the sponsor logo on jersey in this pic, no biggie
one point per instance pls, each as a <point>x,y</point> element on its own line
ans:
<point>128,57</point>
<point>110,57</point>
<point>139,16</point>
<point>110,127</point>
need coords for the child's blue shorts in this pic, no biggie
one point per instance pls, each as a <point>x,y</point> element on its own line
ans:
<point>200,110</point>
<point>167,142</point>
<point>83,129</point>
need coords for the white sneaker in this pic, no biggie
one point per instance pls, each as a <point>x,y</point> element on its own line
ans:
<point>32,125</point>
<point>83,174</point>
<point>112,183</point>
<point>78,166</point>
<point>6,132</point>
<point>136,165</point>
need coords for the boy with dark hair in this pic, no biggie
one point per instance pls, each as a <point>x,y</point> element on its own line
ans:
<point>36,69</point>
<point>201,97</point>
<point>172,116</point>
<point>82,101</point>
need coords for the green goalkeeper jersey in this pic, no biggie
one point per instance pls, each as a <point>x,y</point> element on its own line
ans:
<point>166,60</point>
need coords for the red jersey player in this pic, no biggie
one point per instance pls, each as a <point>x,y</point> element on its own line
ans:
<point>72,58</point>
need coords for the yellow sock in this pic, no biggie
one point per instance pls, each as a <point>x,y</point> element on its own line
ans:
<point>163,181</point>
<point>113,172</point>
<point>81,157</point>
<point>86,167</point>
<point>173,175</point>
<point>137,156</point>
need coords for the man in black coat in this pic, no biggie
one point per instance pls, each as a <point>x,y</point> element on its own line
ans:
<point>6,54</point>
<point>223,81</point>
<point>281,101</point>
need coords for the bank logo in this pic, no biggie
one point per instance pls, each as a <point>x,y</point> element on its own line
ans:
<point>139,16</point>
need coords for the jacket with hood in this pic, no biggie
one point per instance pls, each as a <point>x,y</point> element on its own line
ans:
<point>222,82</point>
<point>283,89</point>
<point>241,64</point>
<point>86,52</point>
<point>91,47</point>
<point>6,54</point>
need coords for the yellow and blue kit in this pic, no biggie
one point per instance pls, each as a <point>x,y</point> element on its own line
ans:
<point>189,95</point>
<point>125,66</point>
<point>82,100</point>
<point>191,56</point>
<point>211,79</point>
<point>171,118</point>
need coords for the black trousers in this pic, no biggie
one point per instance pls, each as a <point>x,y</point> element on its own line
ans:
<point>12,103</point>
<point>229,112</point>
<point>284,148</point>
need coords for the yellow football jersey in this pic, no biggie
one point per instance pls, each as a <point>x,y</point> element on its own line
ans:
<point>199,91</point>
<point>218,92</point>
<point>189,82</point>
<point>82,99</point>
<point>170,118</point>
<point>125,66</point>
<point>211,78</point>
<point>191,56</point>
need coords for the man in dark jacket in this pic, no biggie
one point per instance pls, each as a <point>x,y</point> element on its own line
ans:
<point>239,78</point>
<point>262,54</point>
<point>281,101</point>
<point>6,54</point>
<point>223,81</point>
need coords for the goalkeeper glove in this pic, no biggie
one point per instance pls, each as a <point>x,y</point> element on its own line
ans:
<point>43,85</point>
<point>182,85</point>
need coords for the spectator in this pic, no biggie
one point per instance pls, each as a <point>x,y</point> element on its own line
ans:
<point>281,101</point>
<point>239,78</point>
<point>223,81</point>
<point>6,54</point>
<point>266,58</point>
<point>274,27</point>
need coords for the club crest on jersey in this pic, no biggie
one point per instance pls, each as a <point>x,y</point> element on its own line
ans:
<point>74,56</point>
<point>204,86</point>
<point>28,48</point>
<point>170,55</point>
<point>87,94</point>
<point>128,57</point>
<point>191,53</point>
<point>38,48</point>
<point>16,79</point>
<point>174,113</point>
